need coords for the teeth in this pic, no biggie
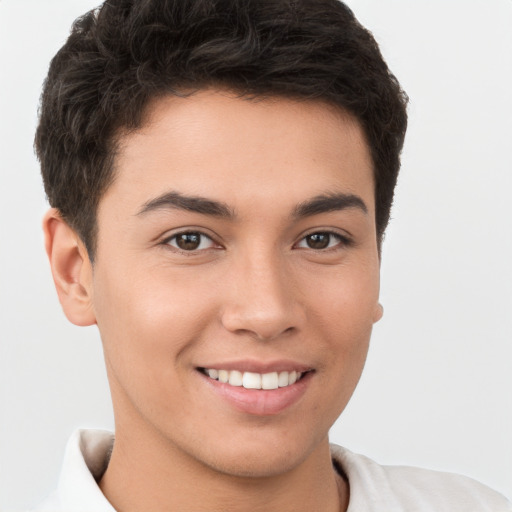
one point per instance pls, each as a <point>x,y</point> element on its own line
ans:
<point>251,380</point>
<point>283,379</point>
<point>235,378</point>
<point>269,381</point>
<point>214,374</point>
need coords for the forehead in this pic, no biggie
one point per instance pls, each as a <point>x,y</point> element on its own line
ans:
<point>214,143</point>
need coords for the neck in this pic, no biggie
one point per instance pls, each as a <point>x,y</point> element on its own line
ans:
<point>150,473</point>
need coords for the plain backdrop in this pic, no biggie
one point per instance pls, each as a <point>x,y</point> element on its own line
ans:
<point>437,388</point>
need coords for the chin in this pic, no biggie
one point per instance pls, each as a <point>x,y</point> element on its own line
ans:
<point>261,456</point>
<point>256,465</point>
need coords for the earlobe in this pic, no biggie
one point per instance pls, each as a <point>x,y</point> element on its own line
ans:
<point>378,313</point>
<point>71,269</point>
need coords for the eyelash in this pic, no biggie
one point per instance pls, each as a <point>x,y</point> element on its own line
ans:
<point>342,241</point>
<point>202,237</point>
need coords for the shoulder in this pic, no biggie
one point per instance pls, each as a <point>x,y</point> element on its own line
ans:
<point>374,487</point>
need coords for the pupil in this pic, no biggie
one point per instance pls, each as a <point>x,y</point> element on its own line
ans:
<point>318,240</point>
<point>188,241</point>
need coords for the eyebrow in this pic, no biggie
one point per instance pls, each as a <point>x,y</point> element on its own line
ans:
<point>320,204</point>
<point>175,200</point>
<point>327,203</point>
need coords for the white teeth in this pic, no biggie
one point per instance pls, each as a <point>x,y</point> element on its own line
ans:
<point>283,379</point>
<point>251,380</point>
<point>235,378</point>
<point>269,381</point>
<point>213,374</point>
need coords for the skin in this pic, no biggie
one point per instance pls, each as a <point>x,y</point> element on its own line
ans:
<point>254,290</point>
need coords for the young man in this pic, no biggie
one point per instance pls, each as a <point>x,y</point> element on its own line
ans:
<point>221,175</point>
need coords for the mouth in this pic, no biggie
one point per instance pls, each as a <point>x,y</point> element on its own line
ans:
<point>252,380</point>
<point>258,388</point>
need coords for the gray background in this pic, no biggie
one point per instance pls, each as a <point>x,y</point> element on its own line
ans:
<point>437,389</point>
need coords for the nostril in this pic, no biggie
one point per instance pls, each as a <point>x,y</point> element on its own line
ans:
<point>264,314</point>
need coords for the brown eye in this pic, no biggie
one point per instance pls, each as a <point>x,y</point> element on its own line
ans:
<point>318,240</point>
<point>323,240</point>
<point>188,241</point>
<point>191,241</point>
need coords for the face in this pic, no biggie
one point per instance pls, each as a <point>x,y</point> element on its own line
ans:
<point>237,251</point>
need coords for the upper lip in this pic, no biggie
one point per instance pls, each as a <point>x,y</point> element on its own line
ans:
<point>253,366</point>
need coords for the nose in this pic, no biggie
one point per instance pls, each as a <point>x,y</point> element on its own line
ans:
<point>264,302</point>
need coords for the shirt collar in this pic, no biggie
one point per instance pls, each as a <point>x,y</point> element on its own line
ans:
<point>86,458</point>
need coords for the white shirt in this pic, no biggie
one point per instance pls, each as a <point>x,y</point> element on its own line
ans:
<point>373,488</point>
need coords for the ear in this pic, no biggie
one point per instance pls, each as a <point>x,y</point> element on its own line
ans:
<point>71,269</point>
<point>378,313</point>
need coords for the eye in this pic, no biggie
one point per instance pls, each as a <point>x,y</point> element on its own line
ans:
<point>322,240</point>
<point>190,241</point>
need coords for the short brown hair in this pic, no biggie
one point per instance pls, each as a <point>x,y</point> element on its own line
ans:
<point>123,54</point>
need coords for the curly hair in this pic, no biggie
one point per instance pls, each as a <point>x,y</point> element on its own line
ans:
<point>123,54</point>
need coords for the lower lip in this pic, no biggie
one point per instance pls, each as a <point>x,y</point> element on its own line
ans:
<point>258,401</point>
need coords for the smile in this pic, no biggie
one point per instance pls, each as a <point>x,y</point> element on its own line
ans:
<point>251,380</point>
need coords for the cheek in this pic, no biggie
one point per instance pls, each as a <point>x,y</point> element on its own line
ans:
<point>344,314</point>
<point>149,329</point>
<point>148,321</point>
<point>345,301</point>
